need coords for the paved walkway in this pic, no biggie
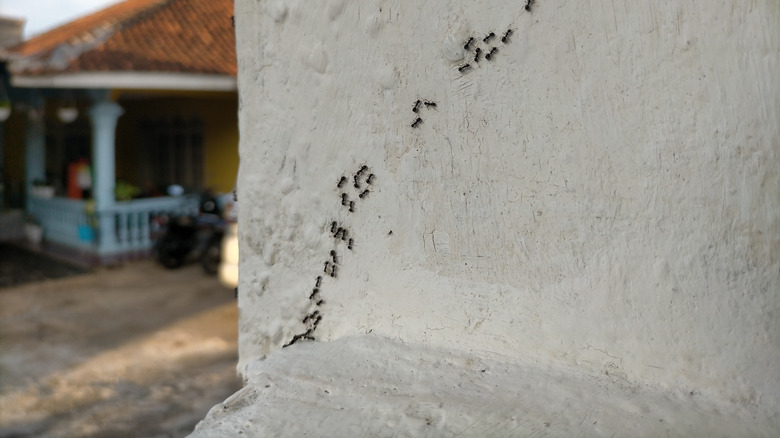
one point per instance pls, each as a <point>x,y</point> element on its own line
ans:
<point>136,350</point>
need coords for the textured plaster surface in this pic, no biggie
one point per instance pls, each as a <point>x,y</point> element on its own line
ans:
<point>385,387</point>
<point>603,193</point>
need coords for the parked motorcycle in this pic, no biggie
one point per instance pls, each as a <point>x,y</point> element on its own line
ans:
<point>198,237</point>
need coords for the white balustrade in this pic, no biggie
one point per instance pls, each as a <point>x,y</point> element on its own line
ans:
<point>66,221</point>
<point>133,218</point>
<point>61,219</point>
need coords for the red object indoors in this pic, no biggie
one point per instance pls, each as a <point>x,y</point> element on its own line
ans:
<point>76,178</point>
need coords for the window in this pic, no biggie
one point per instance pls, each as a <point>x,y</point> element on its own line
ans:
<point>173,151</point>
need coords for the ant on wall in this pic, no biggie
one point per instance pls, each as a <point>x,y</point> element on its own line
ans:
<point>505,38</point>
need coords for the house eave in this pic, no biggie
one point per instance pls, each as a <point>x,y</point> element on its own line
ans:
<point>129,80</point>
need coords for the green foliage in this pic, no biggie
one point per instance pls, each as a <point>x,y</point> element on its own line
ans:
<point>125,191</point>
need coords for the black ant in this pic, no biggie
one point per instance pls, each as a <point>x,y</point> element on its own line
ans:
<point>490,54</point>
<point>362,169</point>
<point>489,37</point>
<point>310,316</point>
<point>357,184</point>
<point>390,233</point>
<point>319,280</point>
<point>363,194</point>
<point>476,56</point>
<point>464,67</point>
<point>327,264</point>
<point>349,245</point>
<point>333,256</point>
<point>416,107</point>
<point>333,271</point>
<point>505,38</point>
<point>351,206</point>
<point>370,177</point>
<point>414,125</point>
<point>430,104</point>
<point>333,227</point>
<point>528,4</point>
<point>292,341</point>
<point>313,315</point>
<point>341,182</point>
<point>314,292</point>
<point>467,46</point>
<point>320,302</point>
<point>343,199</point>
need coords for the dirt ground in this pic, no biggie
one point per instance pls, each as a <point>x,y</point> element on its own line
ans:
<point>135,350</point>
<point>20,264</point>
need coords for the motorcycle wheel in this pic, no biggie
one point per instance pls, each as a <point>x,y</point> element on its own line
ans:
<point>169,258</point>
<point>212,257</point>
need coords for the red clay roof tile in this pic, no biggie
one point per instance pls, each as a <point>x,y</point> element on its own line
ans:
<point>182,36</point>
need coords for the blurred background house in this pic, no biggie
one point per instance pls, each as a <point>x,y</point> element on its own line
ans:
<point>107,111</point>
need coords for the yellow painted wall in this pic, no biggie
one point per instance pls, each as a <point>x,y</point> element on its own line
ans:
<point>221,146</point>
<point>217,111</point>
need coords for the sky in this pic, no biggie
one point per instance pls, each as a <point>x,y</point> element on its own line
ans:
<point>43,15</point>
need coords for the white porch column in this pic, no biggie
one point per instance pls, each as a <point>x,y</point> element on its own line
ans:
<point>34,152</point>
<point>104,115</point>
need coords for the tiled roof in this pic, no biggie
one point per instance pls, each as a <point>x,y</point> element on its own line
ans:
<point>181,36</point>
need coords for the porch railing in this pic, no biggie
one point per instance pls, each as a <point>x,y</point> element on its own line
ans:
<point>133,219</point>
<point>123,227</point>
<point>61,219</point>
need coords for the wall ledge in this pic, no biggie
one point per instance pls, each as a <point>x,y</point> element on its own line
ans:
<point>375,386</point>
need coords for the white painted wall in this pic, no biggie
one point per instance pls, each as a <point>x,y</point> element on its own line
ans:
<point>605,192</point>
